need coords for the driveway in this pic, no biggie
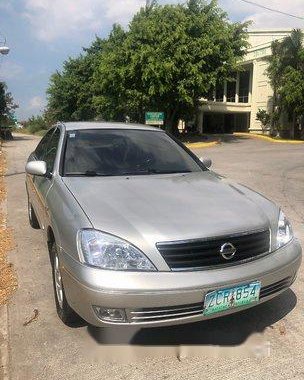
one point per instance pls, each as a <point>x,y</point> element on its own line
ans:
<point>266,342</point>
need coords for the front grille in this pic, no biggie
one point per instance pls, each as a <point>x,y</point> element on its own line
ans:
<point>182,311</point>
<point>165,313</point>
<point>276,287</point>
<point>204,253</point>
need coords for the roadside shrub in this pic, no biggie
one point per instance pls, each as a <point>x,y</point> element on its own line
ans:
<point>264,118</point>
<point>36,124</point>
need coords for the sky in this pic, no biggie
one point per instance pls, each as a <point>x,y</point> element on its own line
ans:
<point>43,33</point>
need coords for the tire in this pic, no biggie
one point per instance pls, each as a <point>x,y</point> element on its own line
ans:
<point>32,217</point>
<point>68,316</point>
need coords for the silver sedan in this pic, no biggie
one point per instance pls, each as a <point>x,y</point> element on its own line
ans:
<point>141,232</point>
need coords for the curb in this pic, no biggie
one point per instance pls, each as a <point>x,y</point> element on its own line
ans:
<point>4,350</point>
<point>199,145</point>
<point>270,139</point>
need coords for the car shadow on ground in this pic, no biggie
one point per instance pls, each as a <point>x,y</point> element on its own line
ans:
<point>7,144</point>
<point>230,330</point>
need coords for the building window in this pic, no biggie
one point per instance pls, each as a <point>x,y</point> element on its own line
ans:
<point>219,92</point>
<point>231,90</point>
<point>244,86</point>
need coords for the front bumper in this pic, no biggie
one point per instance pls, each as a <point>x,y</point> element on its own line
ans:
<point>171,298</point>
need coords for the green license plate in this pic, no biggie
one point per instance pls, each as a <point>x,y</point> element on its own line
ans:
<point>230,298</point>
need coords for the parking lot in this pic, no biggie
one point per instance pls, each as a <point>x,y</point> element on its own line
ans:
<point>255,344</point>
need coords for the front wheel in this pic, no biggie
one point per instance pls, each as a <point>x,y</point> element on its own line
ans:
<point>68,316</point>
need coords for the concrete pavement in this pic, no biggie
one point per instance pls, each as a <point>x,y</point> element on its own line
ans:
<point>46,349</point>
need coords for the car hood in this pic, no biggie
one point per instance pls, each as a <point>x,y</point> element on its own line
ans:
<point>157,208</point>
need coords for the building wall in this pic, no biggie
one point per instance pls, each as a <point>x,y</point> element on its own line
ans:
<point>258,53</point>
<point>260,91</point>
<point>265,37</point>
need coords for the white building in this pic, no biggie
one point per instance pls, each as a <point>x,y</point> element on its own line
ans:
<point>233,105</point>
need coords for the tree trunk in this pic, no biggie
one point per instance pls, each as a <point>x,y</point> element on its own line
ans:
<point>292,133</point>
<point>274,124</point>
<point>172,122</point>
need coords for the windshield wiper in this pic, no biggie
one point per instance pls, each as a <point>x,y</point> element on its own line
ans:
<point>154,171</point>
<point>151,171</point>
<point>88,173</point>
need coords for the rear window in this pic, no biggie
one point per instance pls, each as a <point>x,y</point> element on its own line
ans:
<point>107,152</point>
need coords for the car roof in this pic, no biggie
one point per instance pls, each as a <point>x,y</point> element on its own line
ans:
<point>79,125</point>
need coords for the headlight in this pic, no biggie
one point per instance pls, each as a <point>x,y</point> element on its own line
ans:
<point>284,234</point>
<point>109,252</point>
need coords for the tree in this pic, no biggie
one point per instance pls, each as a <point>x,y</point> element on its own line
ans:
<point>35,124</point>
<point>286,67</point>
<point>70,93</point>
<point>264,118</point>
<point>7,107</point>
<point>111,99</point>
<point>168,59</point>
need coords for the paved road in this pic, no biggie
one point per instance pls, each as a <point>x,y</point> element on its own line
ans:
<point>46,349</point>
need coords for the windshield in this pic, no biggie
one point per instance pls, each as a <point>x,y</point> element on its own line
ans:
<point>107,152</point>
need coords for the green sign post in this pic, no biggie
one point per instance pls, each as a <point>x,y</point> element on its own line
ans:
<point>155,118</point>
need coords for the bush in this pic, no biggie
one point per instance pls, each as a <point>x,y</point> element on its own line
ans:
<point>264,118</point>
<point>36,124</point>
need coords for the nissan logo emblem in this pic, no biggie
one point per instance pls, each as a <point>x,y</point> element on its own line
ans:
<point>227,251</point>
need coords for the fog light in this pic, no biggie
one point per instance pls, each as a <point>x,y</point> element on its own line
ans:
<point>110,315</point>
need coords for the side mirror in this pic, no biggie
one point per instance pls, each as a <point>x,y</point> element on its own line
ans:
<point>36,168</point>
<point>206,162</point>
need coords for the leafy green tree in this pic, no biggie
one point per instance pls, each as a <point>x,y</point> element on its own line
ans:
<point>7,106</point>
<point>286,68</point>
<point>264,118</point>
<point>70,93</point>
<point>292,90</point>
<point>168,59</point>
<point>35,124</point>
<point>110,78</point>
